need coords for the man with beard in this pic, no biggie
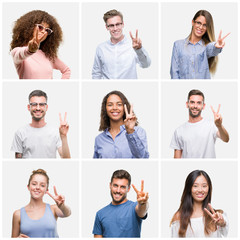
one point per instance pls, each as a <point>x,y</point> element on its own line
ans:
<point>196,138</point>
<point>38,139</point>
<point>117,57</point>
<point>122,217</point>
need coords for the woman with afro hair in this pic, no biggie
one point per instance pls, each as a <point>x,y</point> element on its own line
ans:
<point>35,42</point>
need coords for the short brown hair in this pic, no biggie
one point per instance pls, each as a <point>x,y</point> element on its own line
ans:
<point>112,13</point>
<point>195,92</point>
<point>40,172</point>
<point>121,174</point>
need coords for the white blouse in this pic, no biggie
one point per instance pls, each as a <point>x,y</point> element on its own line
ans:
<point>197,229</point>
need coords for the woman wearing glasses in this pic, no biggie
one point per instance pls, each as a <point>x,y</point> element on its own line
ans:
<point>35,42</point>
<point>39,219</point>
<point>196,216</point>
<point>121,136</point>
<point>196,56</point>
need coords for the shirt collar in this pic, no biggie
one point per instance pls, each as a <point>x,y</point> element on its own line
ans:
<point>122,128</point>
<point>200,42</point>
<point>119,43</point>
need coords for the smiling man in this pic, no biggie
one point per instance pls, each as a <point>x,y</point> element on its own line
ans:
<point>196,138</point>
<point>117,57</point>
<point>38,139</point>
<point>122,217</point>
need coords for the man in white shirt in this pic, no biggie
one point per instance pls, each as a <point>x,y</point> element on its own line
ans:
<point>196,138</point>
<point>117,57</point>
<point>38,139</point>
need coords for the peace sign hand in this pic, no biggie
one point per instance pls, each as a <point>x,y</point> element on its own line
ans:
<point>63,129</point>
<point>220,42</point>
<point>33,45</point>
<point>59,199</point>
<point>217,116</point>
<point>130,120</point>
<point>136,42</point>
<point>215,216</point>
<point>142,197</point>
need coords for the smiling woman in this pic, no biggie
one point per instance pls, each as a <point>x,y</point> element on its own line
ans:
<point>122,137</point>
<point>196,56</point>
<point>35,41</point>
<point>195,216</point>
<point>39,219</point>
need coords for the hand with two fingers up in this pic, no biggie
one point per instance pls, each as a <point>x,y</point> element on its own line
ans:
<point>136,42</point>
<point>130,120</point>
<point>215,216</point>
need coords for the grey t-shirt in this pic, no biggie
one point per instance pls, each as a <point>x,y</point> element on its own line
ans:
<point>36,142</point>
<point>196,140</point>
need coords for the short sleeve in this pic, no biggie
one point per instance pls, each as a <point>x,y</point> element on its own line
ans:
<point>17,145</point>
<point>175,143</point>
<point>97,228</point>
<point>174,229</point>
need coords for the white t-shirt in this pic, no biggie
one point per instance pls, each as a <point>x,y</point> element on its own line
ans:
<point>196,140</point>
<point>36,142</point>
<point>197,229</point>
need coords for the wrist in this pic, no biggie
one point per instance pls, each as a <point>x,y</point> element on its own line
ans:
<point>130,131</point>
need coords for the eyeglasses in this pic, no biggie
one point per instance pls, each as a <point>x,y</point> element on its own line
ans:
<point>34,105</point>
<point>118,25</point>
<point>199,24</point>
<point>41,27</point>
<point>192,103</point>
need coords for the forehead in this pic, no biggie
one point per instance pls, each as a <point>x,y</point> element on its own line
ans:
<point>196,98</point>
<point>120,182</point>
<point>114,98</point>
<point>37,99</point>
<point>201,19</point>
<point>201,180</point>
<point>114,20</point>
<point>39,178</point>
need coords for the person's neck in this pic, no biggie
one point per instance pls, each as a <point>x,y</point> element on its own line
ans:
<point>194,39</point>
<point>115,125</point>
<point>36,203</point>
<point>115,41</point>
<point>114,203</point>
<point>38,124</point>
<point>197,210</point>
<point>195,119</point>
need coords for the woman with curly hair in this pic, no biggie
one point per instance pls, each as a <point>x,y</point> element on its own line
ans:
<point>196,216</point>
<point>35,42</point>
<point>121,136</point>
<point>196,55</point>
<point>38,219</point>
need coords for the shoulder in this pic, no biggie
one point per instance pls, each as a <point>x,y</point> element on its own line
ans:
<point>17,214</point>
<point>180,42</point>
<point>100,135</point>
<point>23,129</point>
<point>176,217</point>
<point>102,45</point>
<point>139,129</point>
<point>182,127</point>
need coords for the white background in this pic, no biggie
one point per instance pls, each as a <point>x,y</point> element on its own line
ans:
<point>141,16</point>
<point>175,113</point>
<point>224,189</point>
<point>62,97</point>
<point>16,195</point>
<point>67,15</point>
<point>96,176</point>
<point>177,24</point>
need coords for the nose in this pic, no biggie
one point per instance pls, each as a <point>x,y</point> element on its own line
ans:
<point>38,107</point>
<point>118,189</point>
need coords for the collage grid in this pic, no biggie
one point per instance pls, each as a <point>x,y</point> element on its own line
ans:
<point>85,181</point>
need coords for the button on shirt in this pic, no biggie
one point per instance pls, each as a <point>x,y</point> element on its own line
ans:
<point>123,146</point>
<point>118,61</point>
<point>190,61</point>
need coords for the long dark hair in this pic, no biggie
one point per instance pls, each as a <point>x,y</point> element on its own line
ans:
<point>185,210</point>
<point>105,120</point>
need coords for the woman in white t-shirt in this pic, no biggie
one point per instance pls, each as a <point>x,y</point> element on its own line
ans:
<point>195,216</point>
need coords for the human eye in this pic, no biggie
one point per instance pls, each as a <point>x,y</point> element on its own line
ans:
<point>118,24</point>
<point>111,25</point>
<point>33,104</point>
<point>120,104</point>
<point>199,103</point>
<point>123,187</point>
<point>191,102</point>
<point>41,104</point>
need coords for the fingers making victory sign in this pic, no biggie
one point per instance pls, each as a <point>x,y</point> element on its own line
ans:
<point>220,42</point>
<point>59,199</point>
<point>33,45</point>
<point>130,120</point>
<point>63,129</point>
<point>217,116</point>
<point>136,42</point>
<point>215,216</point>
<point>142,197</point>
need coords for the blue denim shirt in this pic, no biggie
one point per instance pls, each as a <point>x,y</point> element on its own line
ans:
<point>190,61</point>
<point>123,146</point>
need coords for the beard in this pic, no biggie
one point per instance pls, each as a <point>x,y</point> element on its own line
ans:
<point>194,115</point>
<point>120,200</point>
<point>37,119</point>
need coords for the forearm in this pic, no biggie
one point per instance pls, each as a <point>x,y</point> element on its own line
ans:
<point>19,54</point>
<point>177,153</point>
<point>141,209</point>
<point>66,211</point>
<point>223,134</point>
<point>65,147</point>
<point>143,57</point>
<point>212,51</point>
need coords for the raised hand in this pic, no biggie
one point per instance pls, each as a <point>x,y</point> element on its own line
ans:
<point>142,197</point>
<point>220,42</point>
<point>59,199</point>
<point>130,120</point>
<point>33,45</point>
<point>63,129</point>
<point>215,216</point>
<point>136,42</point>
<point>217,116</point>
